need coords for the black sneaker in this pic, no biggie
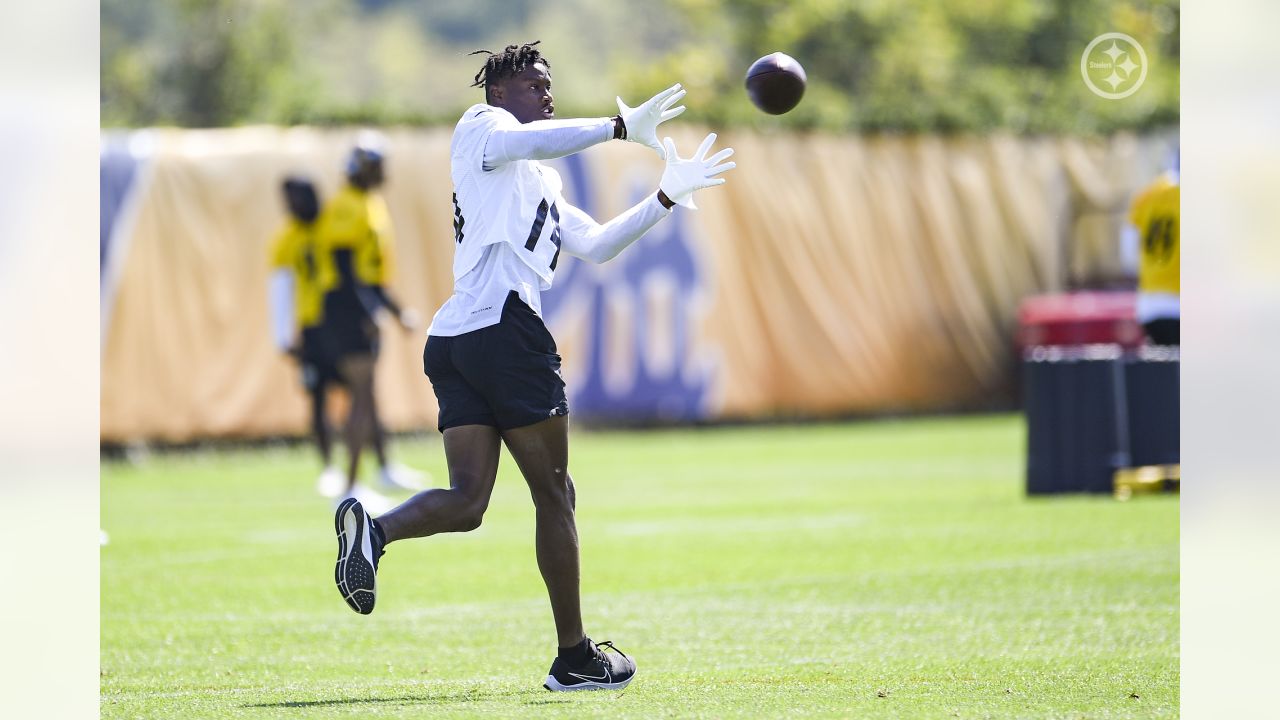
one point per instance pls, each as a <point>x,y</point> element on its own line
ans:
<point>601,671</point>
<point>358,553</point>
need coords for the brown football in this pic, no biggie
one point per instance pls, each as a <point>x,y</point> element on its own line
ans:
<point>775,83</point>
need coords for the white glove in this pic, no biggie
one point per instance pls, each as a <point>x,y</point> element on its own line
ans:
<point>642,122</point>
<point>682,177</point>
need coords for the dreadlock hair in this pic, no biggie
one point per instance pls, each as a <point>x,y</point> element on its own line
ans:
<point>508,63</point>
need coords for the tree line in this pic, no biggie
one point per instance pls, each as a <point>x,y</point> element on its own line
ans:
<point>873,65</point>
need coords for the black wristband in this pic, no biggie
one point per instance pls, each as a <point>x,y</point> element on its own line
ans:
<point>619,128</point>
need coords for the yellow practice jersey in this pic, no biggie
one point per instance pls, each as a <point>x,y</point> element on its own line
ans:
<point>294,249</point>
<point>355,222</point>
<point>1155,214</point>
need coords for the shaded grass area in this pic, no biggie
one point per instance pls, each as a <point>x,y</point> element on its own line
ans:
<point>888,570</point>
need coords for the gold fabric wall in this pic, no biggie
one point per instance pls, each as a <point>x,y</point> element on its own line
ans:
<point>830,275</point>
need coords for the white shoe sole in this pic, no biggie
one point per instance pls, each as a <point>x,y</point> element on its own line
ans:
<point>555,686</point>
<point>356,578</point>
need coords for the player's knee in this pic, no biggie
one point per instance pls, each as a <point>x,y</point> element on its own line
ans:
<point>471,516</point>
<point>469,523</point>
<point>555,493</point>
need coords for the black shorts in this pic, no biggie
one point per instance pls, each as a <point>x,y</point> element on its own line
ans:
<point>318,368</point>
<point>348,327</point>
<point>1164,331</point>
<point>505,375</point>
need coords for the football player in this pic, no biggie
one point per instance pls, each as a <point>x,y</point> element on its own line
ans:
<point>492,363</point>
<point>296,314</point>
<point>1155,214</point>
<point>354,247</point>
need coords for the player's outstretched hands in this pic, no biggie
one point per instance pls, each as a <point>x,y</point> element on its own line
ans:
<point>642,122</point>
<point>682,177</point>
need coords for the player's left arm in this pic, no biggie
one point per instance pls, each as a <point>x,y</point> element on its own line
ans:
<point>381,297</point>
<point>583,237</point>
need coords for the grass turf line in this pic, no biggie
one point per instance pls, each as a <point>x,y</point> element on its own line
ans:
<point>875,570</point>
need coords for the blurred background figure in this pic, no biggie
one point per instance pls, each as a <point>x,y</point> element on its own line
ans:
<point>328,283</point>
<point>296,305</point>
<point>1155,214</point>
<point>355,269</point>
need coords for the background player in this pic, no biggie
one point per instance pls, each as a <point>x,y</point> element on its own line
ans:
<point>492,363</point>
<point>1155,214</point>
<point>296,314</point>
<point>356,265</point>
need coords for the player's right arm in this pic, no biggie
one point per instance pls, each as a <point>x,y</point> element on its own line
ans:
<point>547,139</point>
<point>281,291</point>
<point>544,139</point>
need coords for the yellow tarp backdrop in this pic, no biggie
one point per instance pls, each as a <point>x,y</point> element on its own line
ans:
<point>830,275</point>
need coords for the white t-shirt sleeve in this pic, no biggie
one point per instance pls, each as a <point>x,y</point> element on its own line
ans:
<point>583,237</point>
<point>280,294</point>
<point>543,139</point>
<point>472,135</point>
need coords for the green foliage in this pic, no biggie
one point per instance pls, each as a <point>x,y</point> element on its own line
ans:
<point>873,65</point>
<point>753,572</point>
<point>196,63</point>
<point>927,66</point>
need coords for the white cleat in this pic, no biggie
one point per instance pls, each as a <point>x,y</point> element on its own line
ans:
<point>401,477</point>
<point>373,501</point>
<point>332,483</point>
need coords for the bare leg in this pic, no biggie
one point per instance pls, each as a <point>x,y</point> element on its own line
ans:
<point>320,423</point>
<point>472,454</point>
<point>357,371</point>
<point>542,452</point>
<point>378,436</point>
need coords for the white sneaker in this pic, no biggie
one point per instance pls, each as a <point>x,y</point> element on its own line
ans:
<point>332,482</point>
<point>401,477</point>
<point>372,501</point>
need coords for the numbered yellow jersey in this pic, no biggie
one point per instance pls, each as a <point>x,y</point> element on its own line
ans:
<point>294,249</point>
<point>354,235</point>
<point>1155,214</point>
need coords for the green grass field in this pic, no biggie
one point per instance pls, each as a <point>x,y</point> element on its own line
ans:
<point>871,570</point>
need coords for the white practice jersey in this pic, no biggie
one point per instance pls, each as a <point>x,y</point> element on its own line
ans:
<point>510,220</point>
